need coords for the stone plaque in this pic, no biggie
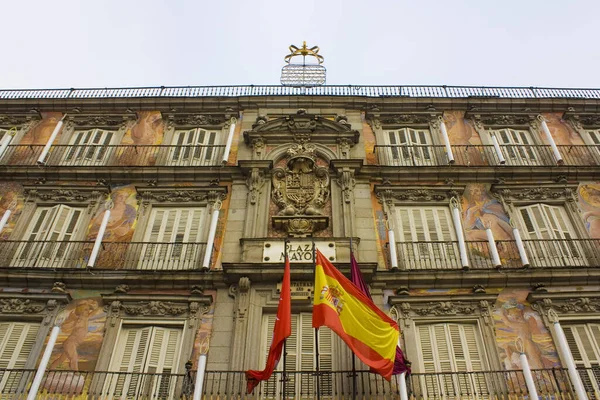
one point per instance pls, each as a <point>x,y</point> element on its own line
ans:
<point>300,290</point>
<point>298,251</point>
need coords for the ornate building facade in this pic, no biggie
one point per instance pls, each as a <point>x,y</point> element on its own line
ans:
<point>149,226</point>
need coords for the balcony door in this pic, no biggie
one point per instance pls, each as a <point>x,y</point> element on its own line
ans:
<point>16,342</point>
<point>46,241</point>
<point>551,236</point>
<point>410,147</point>
<point>427,238</point>
<point>584,343</point>
<point>194,147</point>
<point>89,147</point>
<point>517,147</point>
<point>172,238</point>
<point>451,357</point>
<point>300,360</point>
<point>143,363</point>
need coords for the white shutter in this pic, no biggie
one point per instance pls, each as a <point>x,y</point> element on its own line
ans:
<point>432,228</point>
<point>547,222</point>
<point>16,342</point>
<point>170,238</point>
<point>450,348</point>
<point>47,234</point>
<point>88,147</point>
<point>152,350</point>
<point>584,343</point>
<point>194,147</point>
<point>517,146</point>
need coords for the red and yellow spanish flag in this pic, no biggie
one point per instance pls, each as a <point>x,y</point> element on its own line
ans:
<point>346,310</point>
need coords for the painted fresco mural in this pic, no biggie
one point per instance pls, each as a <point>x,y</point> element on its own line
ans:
<point>37,136</point>
<point>202,340</point>
<point>480,211</point>
<point>461,132</point>
<point>515,321</point>
<point>369,137</point>
<point>561,131</point>
<point>589,204</point>
<point>119,230</point>
<point>11,198</point>
<point>147,131</point>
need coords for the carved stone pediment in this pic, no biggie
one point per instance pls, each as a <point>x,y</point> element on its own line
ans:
<point>198,194</point>
<point>417,194</point>
<point>501,120</point>
<point>300,190</point>
<point>66,194</point>
<point>476,305</point>
<point>565,303</point>
<point>406,119</point>
<point>195,120</point>
<point>44,305</point>
<point>301,127</point>
<point>585,121</point>
<point>110,121</point>
<point>17,119</point>
<point>544,192</point>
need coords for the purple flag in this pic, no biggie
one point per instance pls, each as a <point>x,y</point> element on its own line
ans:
<point>401,364</point>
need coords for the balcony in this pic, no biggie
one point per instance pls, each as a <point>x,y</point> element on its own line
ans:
<point>541,254</point>
<point>224,385</point>
<point>116,155</point>
<point>473,156</point>
<point>112,255</point>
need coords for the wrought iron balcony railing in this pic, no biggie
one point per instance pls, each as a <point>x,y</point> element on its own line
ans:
<point>513,155</point>
<point>157,256</point>
<point>116,155</point>
<point>550,253</point>
<point>225,385</point>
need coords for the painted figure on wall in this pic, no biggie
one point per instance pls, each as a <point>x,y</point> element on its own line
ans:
<point>119,230</point>
<point>11,198</point>
<point>561,131</point>
<point>80,338</point>
<point>480,211</point>
<point>146,133</point>
<point>462,133</point>
<point>37,136</point>
<point>518,325</point>
<point>202,341</point>
<point>589,202</point>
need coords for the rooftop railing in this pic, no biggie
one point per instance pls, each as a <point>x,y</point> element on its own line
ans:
<point>116,155</point>
<point>483,155</point>
<point>328,90</point>
<point>156,256</point>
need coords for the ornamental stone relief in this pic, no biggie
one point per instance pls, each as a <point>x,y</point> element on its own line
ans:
<point>300,191</point>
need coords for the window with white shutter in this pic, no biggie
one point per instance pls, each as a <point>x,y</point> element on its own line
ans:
<point>592,138</point>
<point>517,146</point>
<point>426,235</point>
<point>16,342</point>
<point>45,243</point>
<point>301,356</point>
<point>172,238</point>
<point>550,235</point>
<point>143,362</point>
<point>584,343</point>
<point>91,147</point>
<point>194,147</point>
<point>451,354</point>
<point>409,146</point>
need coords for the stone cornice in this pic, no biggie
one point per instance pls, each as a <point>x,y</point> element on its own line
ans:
<point>65,194</point>
<point>182,194</point>
<point>99,120</point>
<point>535,192</point>
<point>417,194</point>
<point>500,120</point>
<point>16,119</point>
<point>195,120</point>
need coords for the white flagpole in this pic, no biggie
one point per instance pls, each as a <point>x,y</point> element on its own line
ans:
<point>464,258</point>
<point>42,159</point>
<point>446,141</point>
<point>200,377</point>
<point>493,249</point>
<point>108,205</point>
<point>35,386</point>
<point>229,140</point>
<point>211,235</point>
<point>550,139</point>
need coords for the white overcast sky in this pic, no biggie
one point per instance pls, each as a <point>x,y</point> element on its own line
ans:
<point>106,43</point>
